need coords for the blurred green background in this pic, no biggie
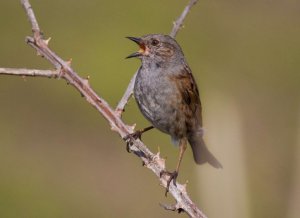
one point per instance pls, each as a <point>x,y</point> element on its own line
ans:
<point>58,158</point>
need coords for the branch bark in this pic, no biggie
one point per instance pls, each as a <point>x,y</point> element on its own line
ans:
<point>179,22</point>
<point>29,72</point>
<point>63,70</point>
<point>128,93</point>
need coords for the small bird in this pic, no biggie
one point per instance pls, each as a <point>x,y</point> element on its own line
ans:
<point>167,95</point>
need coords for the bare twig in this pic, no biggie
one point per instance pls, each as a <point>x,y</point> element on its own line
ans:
<point>179,22</point>
<point>177,25</point>
<point>30,14</point>
<point>129,91</point>
<point>63,69</point>
<point>29,72</point>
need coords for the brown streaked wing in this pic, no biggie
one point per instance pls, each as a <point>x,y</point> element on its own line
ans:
<point>189,92</point>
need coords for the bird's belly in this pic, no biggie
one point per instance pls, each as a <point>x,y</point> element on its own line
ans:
<point>161,107</point>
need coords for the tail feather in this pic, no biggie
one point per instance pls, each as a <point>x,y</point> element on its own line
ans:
<point>201,153</point>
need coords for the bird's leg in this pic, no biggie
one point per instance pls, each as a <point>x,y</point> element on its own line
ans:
<point>173,175</point>
<point>136,135</point>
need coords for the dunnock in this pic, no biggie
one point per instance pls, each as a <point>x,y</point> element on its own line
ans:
<point>167,95</point>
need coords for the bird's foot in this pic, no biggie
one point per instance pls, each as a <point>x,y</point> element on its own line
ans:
<point>130,138</point>
<point>133,136</point>
<point>172,176</point>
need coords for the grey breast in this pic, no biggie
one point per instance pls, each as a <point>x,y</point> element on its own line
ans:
<point>156,98</point>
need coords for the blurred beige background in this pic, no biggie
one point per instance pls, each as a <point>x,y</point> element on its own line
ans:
<point>58,157</point>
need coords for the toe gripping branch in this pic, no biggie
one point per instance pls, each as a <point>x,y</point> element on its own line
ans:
<point>134,136</point>
<point>172,176</point>
<point>130,138</point>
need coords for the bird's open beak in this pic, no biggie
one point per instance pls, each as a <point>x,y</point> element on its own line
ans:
<point>142,49</point>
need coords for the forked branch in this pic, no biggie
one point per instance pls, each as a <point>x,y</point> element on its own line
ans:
<point>64,70</point>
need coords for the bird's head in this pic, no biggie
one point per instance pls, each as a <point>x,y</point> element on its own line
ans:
<point>156,47</point>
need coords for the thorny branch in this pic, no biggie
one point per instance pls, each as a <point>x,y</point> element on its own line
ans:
<point>63,70</point>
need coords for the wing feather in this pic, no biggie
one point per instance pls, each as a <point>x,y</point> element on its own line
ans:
<point>189,92</point>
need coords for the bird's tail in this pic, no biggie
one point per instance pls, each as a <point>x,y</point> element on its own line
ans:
<point>201,152</point>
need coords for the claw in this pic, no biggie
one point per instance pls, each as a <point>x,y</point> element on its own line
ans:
<point>128,145</point>
<point>172,176</point>
<point>130,138</point>
<point>133,136</point>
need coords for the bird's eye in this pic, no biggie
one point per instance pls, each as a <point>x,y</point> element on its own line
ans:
<point>154,42</point>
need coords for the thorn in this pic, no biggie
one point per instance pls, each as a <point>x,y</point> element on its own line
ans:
<point>47,41</point>
<point>69,62</point>
<point>131,128</point>
<point>156,156</point>
<point>168,207</point>
<point>86,81</point>
<point>159,160</point>
<point>113,128</point>
<point>184,186</point>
